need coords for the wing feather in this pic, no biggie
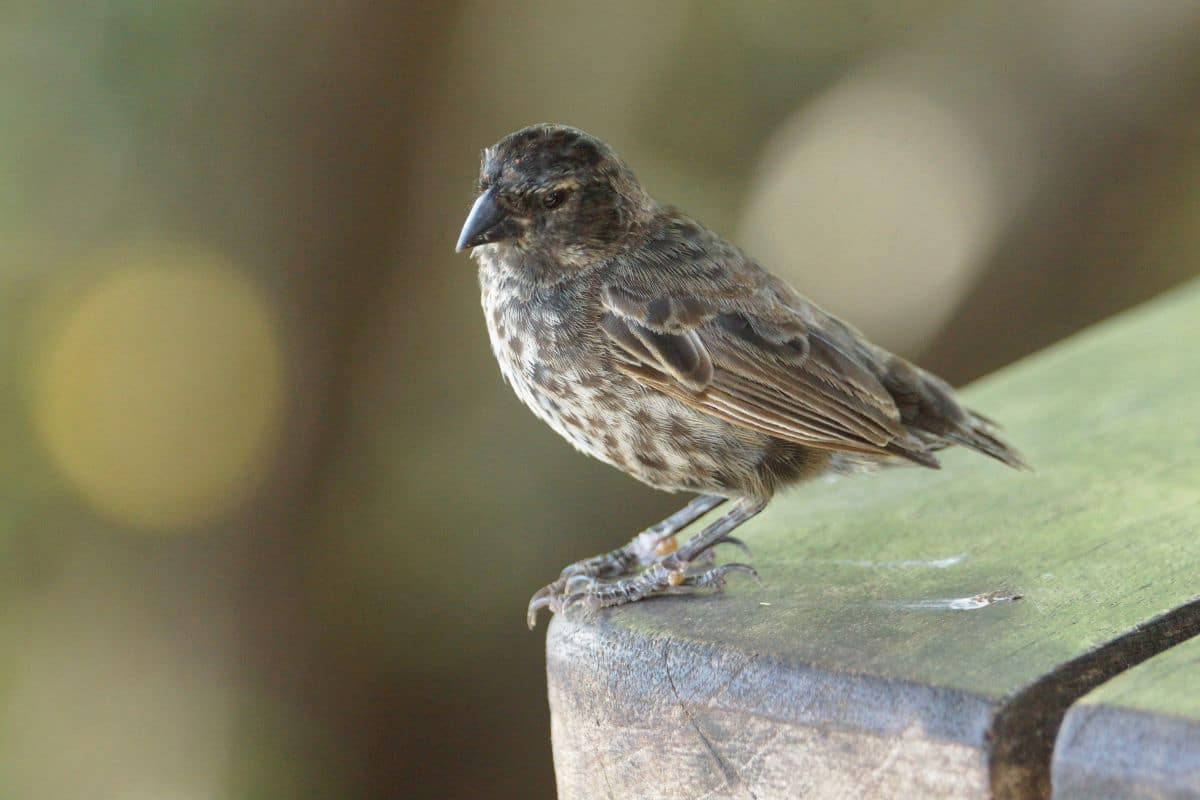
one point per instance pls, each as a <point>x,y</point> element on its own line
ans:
<point>764,370</point>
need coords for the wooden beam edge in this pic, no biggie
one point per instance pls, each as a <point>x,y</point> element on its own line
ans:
<point>1028,723</point>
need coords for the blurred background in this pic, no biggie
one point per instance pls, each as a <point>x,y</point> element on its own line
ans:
<point>269,518</point>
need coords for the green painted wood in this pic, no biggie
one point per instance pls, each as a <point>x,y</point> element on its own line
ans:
<point>881,653</point>
<point>1137,736</point>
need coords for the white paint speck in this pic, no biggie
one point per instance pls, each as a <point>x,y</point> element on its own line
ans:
<point>972,603</point>
<point>935,563</point>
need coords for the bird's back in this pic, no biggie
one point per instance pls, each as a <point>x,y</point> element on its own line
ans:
<point>684,259</point>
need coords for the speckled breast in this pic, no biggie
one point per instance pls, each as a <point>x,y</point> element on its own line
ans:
<point>550,348</point>
<point>556,365</point>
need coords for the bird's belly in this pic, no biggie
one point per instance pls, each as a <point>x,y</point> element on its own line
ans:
<point>611,417</point>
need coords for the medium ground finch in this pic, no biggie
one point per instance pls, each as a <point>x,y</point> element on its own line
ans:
<point>654,345</point>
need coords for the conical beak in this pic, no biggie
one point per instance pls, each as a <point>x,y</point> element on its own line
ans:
<point>482,223</point>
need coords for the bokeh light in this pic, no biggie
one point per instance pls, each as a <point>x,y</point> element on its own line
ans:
<point>876,173</point>
<point>159,391</point>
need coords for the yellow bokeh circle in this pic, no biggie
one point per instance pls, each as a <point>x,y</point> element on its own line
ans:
<point>158,392</point>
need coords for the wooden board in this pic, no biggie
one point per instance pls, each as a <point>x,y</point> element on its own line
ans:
<point>1137,736</point>
<point>880,656</point>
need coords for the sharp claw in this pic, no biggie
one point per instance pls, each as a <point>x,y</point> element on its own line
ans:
<point>531,613</point>
<point>710,555</point>
<point>738,543</point>
<point>542,598</point>
<point>738,566</point>
<point>545,592</point>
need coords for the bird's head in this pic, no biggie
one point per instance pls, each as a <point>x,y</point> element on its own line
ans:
<point>554,193</point>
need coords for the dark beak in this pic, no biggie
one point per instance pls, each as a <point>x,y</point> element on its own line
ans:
<point>482,223</point>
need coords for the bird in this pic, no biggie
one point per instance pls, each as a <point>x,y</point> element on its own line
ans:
<point>653,344</point>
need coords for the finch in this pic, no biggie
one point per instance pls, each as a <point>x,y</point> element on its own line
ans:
<point>652,344</point>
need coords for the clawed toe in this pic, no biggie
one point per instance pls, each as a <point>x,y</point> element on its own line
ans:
<point>699,551</point>
<point>543,598</point>
<point>739,544</point>
<point>652,564</point>
<point>715,578</point>
<point>709,556</point>
<point>582,590</point>
<point>578,583</point>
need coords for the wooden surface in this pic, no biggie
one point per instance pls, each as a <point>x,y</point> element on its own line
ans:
<point>1137,736</point>
<point>881,655</point>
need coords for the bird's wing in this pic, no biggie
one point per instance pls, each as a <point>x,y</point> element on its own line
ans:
<point>754,362</point>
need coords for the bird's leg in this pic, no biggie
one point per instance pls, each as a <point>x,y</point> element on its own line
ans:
<point>644,549</point>
<point>668,574</point>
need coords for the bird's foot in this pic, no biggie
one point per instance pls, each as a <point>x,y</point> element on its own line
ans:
<point>669,569</point>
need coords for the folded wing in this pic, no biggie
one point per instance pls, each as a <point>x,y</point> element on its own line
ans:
<point>763,369</point>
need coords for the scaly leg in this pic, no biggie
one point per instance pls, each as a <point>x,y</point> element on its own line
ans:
<point>643,550</point>
<point>666,574</point>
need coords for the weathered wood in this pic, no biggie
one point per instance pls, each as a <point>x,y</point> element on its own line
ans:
<point>1137,736</point>
<point>882,654</point>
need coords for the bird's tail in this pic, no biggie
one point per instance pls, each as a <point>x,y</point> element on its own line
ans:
<point>983,435</point>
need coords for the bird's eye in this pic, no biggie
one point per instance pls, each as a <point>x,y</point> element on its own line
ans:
<point>555,198</point>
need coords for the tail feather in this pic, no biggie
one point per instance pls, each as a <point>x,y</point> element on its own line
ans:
<point>929,408</point>
<point>916,451</point>
<point>982,435</point>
